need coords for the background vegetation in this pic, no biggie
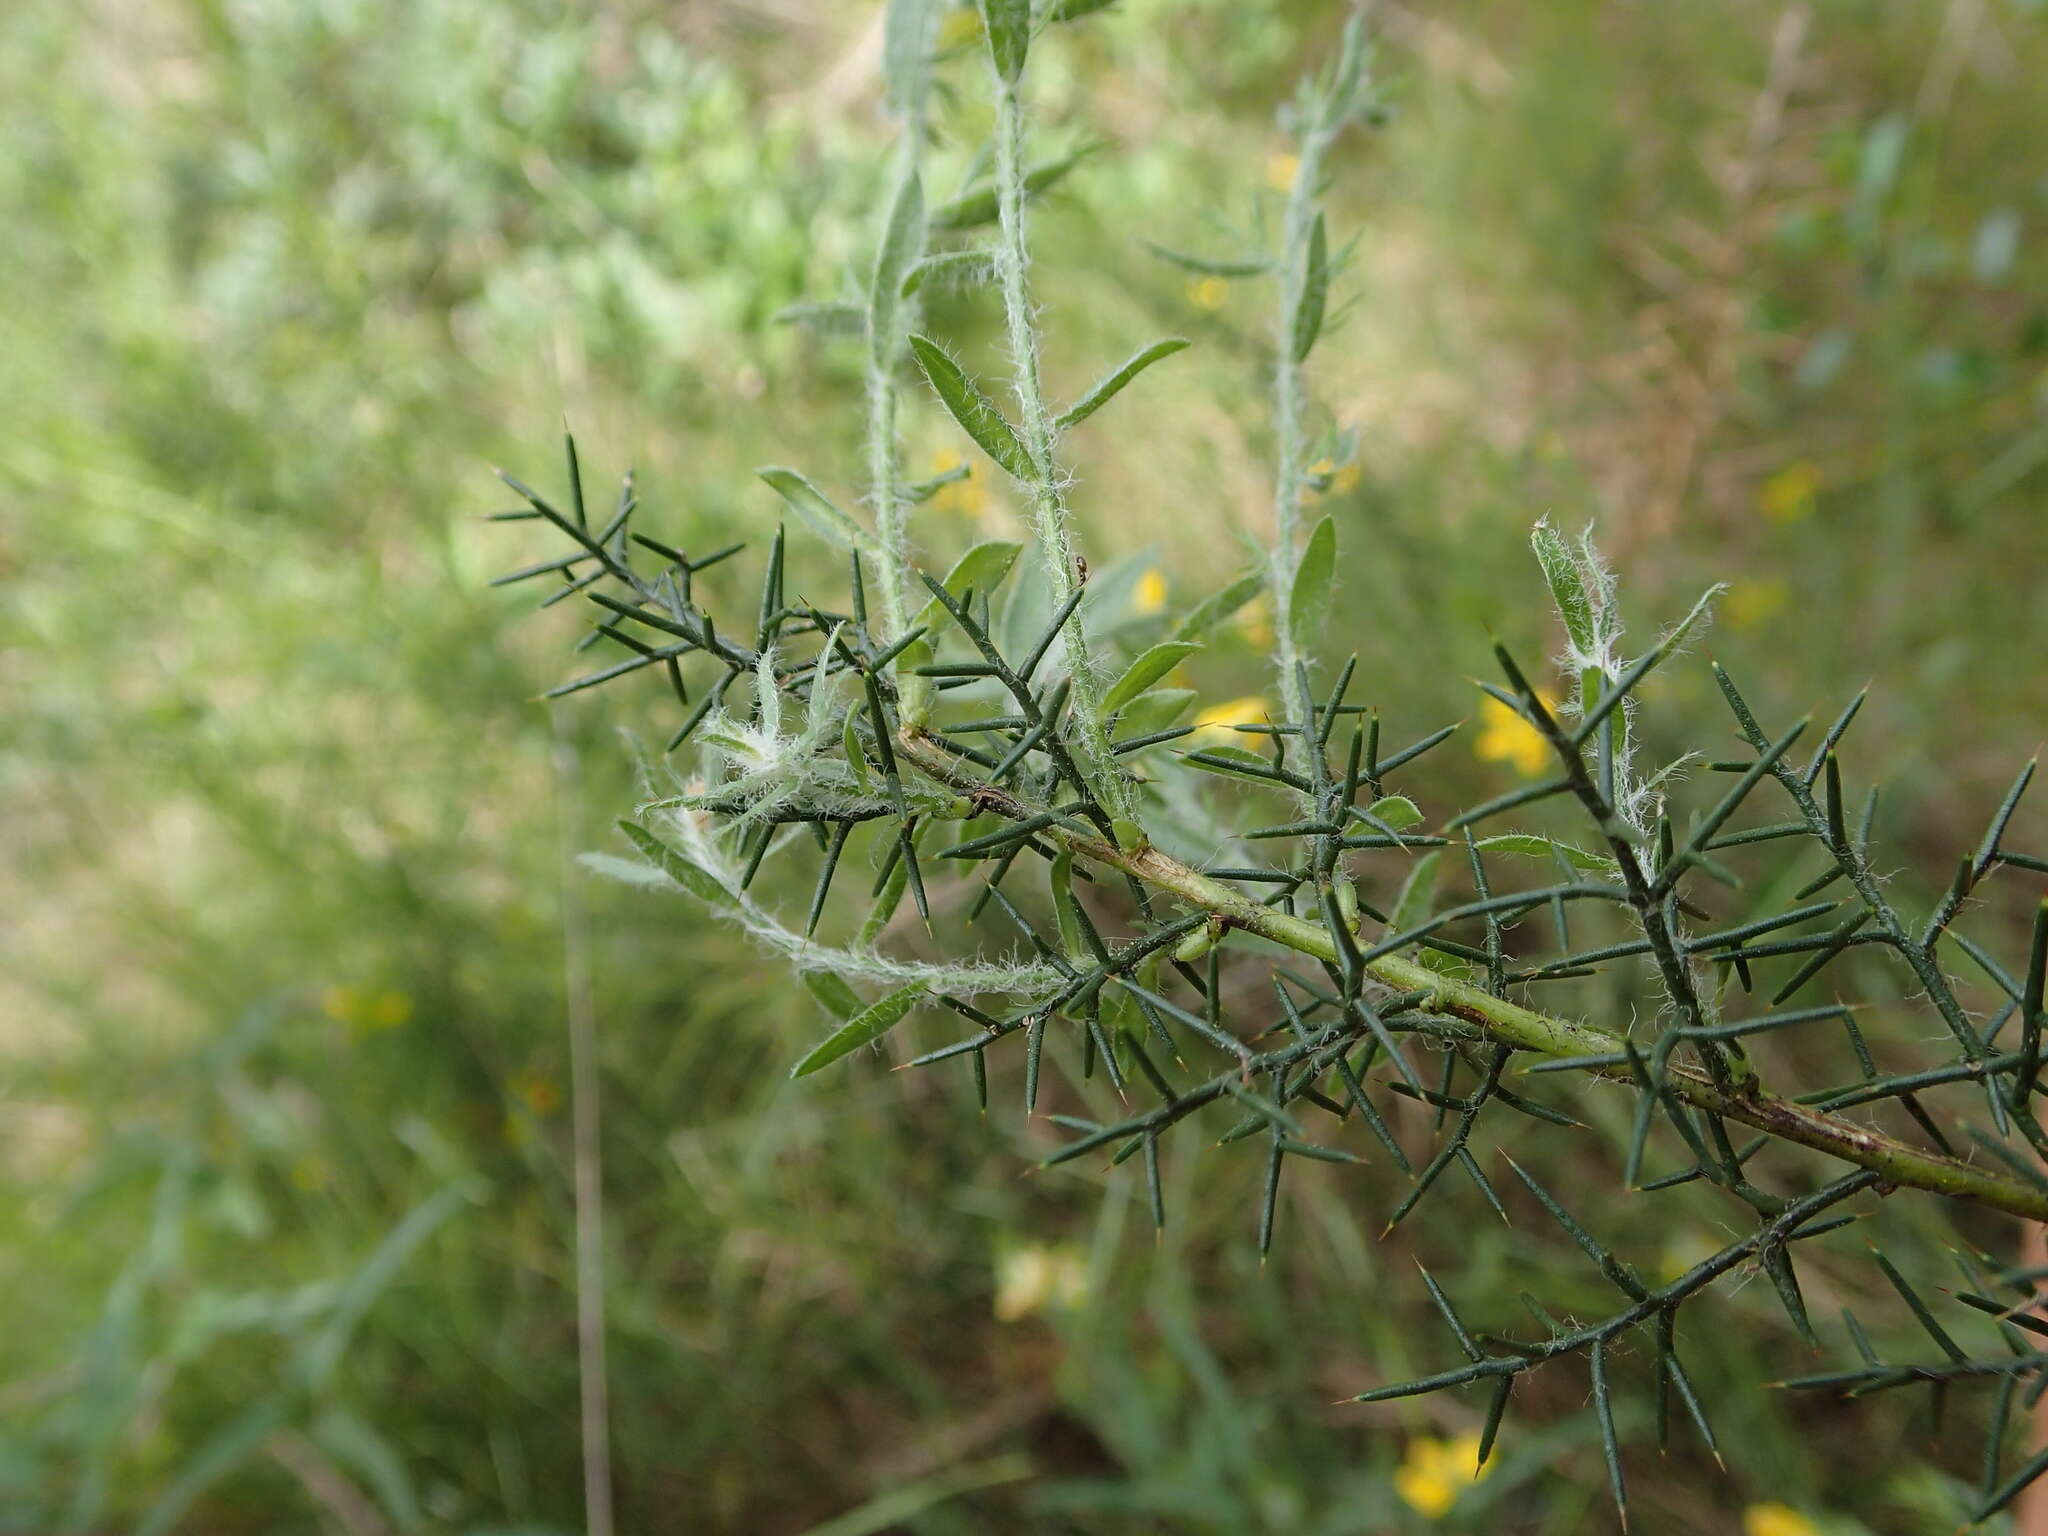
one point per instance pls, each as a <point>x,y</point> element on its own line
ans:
<point>283,1140</point>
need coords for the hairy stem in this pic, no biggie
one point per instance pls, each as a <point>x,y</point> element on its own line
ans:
<point>1509,1023</point>
<point>1051,522</point>
<point>884,362</point>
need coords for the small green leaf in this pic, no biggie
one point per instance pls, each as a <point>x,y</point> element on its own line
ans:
<point>925,490</point>
<point>833,994</point>
<point>1315,293</point>
<point>1145,671</point>
<point>1397,811</point>
<point>978,415</point>
<point>810,504</point>
<point>980,206</point>
<point>1154,711</point>
<point>949,267</point>
<point>1008,23</point>
<point>825,319</point>
<point>1061,878</point>
<point>870,1024</point>
<point>849,743</point>
<point>885,905</point>
<point>1313,578</point>
<point>1074,10</point>
<point>1132,366</point>
<point>691,877</point>
<point>906,51</point>
<point>1210,266</point>
<point>981,570</point>
<point>1418,895</point>
<point>902,243</point>
<point>1567,587</point>
<point>1218,606</point>
<point>1541,848</point>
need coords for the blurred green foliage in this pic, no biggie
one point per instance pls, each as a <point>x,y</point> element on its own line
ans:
<point>282,1126</point>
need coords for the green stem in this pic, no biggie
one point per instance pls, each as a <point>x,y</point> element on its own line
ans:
<point>885,358</point>
<point>1509,1023</point>
<point>1051,523</point>
<point>1289,473</point>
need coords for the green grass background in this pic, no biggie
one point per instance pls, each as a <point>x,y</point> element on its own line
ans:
<point>282,1053</point>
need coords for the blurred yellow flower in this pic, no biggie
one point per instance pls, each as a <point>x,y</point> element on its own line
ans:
<point>360,1008</point>
<point>1207,292</point>
<point>1789,494</point>
<point>1776,1520</point>
<point>1750,602</point>
<point>541,1094</point>
<point>1505,737</point>
<point>960,27</point>
<point>1151,594</point>
<point>1328,475</point>
<point>968,497</point>
<point>1435,1472</point>
<point>1035,1278</point>
<point>1216,721</point>
<point>1280,170</point>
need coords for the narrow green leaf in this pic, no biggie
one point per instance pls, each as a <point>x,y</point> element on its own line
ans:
<point>691,877</point>
<point>1542,848</point>
<point>978,415</point>
<point>811,506</point>
<point>1210,266</point>
<point>1145,671</point>
<point>885,904</point>
<point>902,244</point>
<point>1131,367</point>
<point>1008,23</point>
<point>833,994</point>
<point>1315,293</point>
<point>1418,896</point>
<point>1153,711</point>
<point>1313,578</point>
<point>825,319</point>
<point>1218,606</point>
<point>972,209</point>
<point>1567,587</point>
<point>906,52</point>
<point>944,268</point>
<point>870,1024</point>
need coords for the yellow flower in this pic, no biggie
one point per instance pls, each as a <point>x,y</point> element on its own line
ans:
<point>362,1009</point>
<point>968,497</point>
<point>1216,721</point>
<point>1435,1472</point>
<point>1507,738</point>
<point>541,1094</point>
<point>1328,475</point>
<point>1789,494</point>
<point>1035,1278</point>
<point>1151,594</point>
<point>960,28</point>
<point>1750,602</point>
<point>1207,292</point>
<point>1280,171</point>
<point>1776,1520</point>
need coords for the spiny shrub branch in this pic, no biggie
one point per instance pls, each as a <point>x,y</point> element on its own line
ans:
<point>960,723</point>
